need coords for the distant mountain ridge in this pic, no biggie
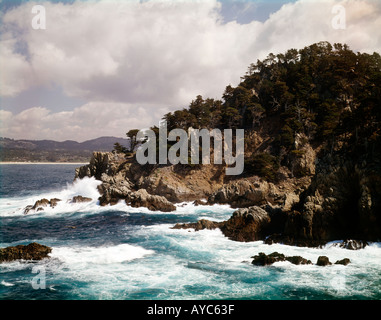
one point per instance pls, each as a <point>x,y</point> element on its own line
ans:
<point>55,151</point>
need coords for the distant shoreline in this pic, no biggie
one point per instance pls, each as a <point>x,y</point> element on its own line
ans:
<point>14,162</point>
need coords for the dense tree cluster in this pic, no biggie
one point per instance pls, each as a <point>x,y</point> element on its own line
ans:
<point>328,93</point>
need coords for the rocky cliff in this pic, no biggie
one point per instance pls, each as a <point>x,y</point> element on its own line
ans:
<point>339,201</point>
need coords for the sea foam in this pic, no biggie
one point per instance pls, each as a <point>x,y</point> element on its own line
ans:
<point>99,255</point>
<point>86,187</point>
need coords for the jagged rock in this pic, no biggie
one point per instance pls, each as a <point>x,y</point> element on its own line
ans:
<point>247,224</point>
<point>323,261</point>
<point>28,208</point>
<point>32,251</point>
<point>353,244</point>
<point>54,202</point>
<point>39,205</point>
<point>262,259</point>
<point>77,199</point>
<point>114,188</point>
<point>199,225</point>
<point>199,203</point>
<point>298,260</point>
<point>142,198</point>
<point>100,162</point>
<point>344,261</point>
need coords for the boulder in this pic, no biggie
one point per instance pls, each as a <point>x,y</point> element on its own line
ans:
<point>78,199</point>
<point>142,198</point>
<point>298,260</point>
<point>323,261</point>
<point>32,251</point>
<point>247,224</point>
<point>344,261</point>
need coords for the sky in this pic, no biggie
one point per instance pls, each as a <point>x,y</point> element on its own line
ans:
<point>101,68</point>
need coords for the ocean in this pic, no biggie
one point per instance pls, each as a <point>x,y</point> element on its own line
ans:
<point>124,253</point>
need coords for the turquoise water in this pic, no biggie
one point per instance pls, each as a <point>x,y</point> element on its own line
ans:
<point>120,252</point>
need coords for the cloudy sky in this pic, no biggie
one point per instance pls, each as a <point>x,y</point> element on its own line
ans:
<point>103,67</point>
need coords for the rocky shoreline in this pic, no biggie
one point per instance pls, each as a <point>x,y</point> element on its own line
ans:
<point>332,202</point>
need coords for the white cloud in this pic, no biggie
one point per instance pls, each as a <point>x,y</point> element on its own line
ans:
<point>132,61</point>
<point>92,120</point>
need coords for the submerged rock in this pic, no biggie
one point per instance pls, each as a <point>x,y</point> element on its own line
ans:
<point>344,261</point>
<point>199,225</point>
<point>32,251</point>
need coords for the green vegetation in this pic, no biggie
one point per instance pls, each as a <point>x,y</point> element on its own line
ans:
<point>327,93</point>
<point>263,165</point>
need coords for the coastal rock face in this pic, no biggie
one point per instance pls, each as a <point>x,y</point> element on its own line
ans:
<point>114,188</point>
<point>177,183</point>
<point>100,162</point>
<point>32,251</point>
<point>248,192</point>
<point>318,202</point>
<point>241,193</point>
<point>303,159</point>
<point>342,202</point>
<point>146,185</point>
<point>117,182</point>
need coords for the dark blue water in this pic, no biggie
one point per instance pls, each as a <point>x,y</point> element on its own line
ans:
<point>120,252</point>
<point>27,179</point>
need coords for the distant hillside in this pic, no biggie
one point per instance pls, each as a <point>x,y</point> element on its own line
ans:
<point>55,151</point>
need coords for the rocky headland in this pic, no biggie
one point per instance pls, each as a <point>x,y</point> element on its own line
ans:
<point>312,150</point>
